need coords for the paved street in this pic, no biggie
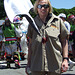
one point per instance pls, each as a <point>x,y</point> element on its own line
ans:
<point>12,70</point>
<point>21,71</point>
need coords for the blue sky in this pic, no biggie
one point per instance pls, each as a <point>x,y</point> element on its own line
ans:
<point>67,4</point>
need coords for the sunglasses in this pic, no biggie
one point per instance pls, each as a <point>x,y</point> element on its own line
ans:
<point>45,6</point>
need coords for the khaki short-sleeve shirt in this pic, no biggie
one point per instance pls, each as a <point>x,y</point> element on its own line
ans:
<point>47,56</point>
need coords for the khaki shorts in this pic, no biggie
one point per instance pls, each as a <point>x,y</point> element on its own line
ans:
<point>43,73</point>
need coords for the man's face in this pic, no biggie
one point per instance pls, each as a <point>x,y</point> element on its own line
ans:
<point>43,8</point>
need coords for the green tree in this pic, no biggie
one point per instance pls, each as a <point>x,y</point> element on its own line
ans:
<point>33,1</point>
<point>2,11</point>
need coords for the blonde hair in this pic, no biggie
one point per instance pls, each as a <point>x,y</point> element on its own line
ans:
<point>36,4</point>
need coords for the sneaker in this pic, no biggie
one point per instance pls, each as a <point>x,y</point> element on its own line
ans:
<point>71,66</point>
<point>17,64</point>
<point>71,63</point>
<point>8,65</point>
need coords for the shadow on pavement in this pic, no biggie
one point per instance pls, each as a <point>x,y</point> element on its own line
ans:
<point>4,66</point>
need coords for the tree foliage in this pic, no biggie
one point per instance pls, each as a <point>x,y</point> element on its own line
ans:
<point>55,11</point>
<point>2,11</point>
<point>33,1</point>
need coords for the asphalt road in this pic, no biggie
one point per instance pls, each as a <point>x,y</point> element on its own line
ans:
<point>21,71</point>
<point>12,70</point>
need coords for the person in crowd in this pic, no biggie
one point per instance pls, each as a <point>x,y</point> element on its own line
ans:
<point>10,43</point>
<point>23,41</point>
<point>1,43</point>
<point>72,33</point>
<point>1,35</point>
<point>73,38</point>
<point>71,21</point>
<point>68,17</point>
<point>67,24</point>
<point>47,52</point>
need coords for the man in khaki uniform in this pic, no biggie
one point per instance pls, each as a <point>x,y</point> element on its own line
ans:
<point>45,51</point>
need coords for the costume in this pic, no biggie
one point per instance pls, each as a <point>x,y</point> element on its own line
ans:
<point>72,28</point>
<point>8,32</point>
<point>1,44</point>
<point>71,40</point>
<point>1,34</point>
<point>46,50</point>
<point>73,46</point>
<point>22,28</point>
<point>23,41</point>
<point>10,43</point>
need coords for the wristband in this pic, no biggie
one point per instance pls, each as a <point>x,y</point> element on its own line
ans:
<point>66,58</point>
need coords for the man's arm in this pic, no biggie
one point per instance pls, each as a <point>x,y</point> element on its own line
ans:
<point>65,55</point>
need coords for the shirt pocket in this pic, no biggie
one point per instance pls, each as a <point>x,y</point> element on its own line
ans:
<point>52,31</point>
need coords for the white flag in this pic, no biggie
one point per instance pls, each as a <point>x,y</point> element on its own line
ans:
<point>14,7</point>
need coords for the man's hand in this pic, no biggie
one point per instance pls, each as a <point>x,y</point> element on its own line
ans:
<point>64,66</point>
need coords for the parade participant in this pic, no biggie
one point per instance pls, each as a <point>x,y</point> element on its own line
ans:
<point>44,52</point>
<point>10,43</point>
<point>63,17</point>
<point>23,28</point>
<point>1,35</point>
<point>73,37</point>
<point>67,24</point>
<point>1,43</point>
<point>70,19</point>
